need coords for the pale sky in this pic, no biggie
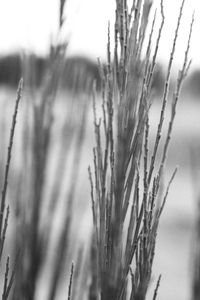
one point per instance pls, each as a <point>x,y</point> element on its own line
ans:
<point>29,24</point>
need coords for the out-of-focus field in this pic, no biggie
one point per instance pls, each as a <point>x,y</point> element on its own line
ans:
<point>173,258</point>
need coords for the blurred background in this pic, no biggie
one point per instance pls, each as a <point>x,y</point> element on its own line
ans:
<point>27,28</point>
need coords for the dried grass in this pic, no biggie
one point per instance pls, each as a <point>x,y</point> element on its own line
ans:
<point>126,179</point>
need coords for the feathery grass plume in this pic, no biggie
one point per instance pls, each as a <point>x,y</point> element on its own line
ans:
<point>156,289</point>
<point>8,282</point>
<point>32,239</point>
<point>126,188</point>
<point>4,211</point>
<point>61,13</point>
<point>64,234</point>
<point>36,211</point>
<point>70,283</point>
